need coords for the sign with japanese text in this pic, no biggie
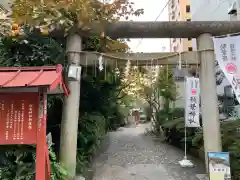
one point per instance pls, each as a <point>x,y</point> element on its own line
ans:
<point>226,49</point>
<point>192,88</point>
<point>219,166</point>
<point>18,118</point>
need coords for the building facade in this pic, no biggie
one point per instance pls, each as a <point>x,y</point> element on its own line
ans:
<point>179,10</point>
<point>214,10</point>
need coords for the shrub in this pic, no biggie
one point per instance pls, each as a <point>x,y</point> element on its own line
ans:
<point>178,113</point>
<point>92,128</point>
<point>231,143</point>
<point>18,162</point>
<point>174,133</point>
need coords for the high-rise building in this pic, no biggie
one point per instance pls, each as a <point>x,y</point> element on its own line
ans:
<point>180,10</point>
<point>214,10</point>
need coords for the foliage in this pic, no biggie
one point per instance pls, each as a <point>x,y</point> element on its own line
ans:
<point>30,50</point>
<point>133,80</point>
<point>101,93</point>
<point>167,84</point>
<point>166,88</point>
<point>174,133</point>
<point>178,113</point>
<point>57,171</point>
<point>18,163</point>
<point>150,86</point>
<point>66,13</point>
<point>91,130</point>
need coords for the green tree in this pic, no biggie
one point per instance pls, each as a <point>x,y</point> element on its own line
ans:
<point>52,15</point>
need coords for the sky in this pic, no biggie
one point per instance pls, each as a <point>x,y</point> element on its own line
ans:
<point>152,8</point>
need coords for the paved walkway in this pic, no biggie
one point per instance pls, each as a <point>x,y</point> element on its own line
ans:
<point>133,155</point>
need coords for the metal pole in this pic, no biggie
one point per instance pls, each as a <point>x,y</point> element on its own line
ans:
<point>69,124</point>
<point>185,142</point>
<point>209,102</point>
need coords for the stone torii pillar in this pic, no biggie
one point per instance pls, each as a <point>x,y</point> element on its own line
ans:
<point>209,101</point>
<point>69,124</point>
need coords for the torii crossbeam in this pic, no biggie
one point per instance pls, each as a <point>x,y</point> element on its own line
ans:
<point>167,29</point>
<point>202,30</point>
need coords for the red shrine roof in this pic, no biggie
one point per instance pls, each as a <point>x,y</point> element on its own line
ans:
<point>40,76</point>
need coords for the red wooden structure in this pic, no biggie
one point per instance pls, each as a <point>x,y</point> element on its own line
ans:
<point>23,108</point>
<point>136,115</point>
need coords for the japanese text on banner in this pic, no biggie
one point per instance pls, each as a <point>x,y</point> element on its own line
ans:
<point>192,102</point>
<point>228,60</point>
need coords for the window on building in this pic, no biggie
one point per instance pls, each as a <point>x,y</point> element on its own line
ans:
<point>179,78</point>
<point>188,8</point>
<point>188,19</point>
<point>189,48</point>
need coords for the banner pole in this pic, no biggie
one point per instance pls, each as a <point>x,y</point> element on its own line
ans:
<point>185,162</point>
<point>185,142</point>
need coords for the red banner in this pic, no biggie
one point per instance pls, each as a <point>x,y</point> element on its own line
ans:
<point>18,118</point>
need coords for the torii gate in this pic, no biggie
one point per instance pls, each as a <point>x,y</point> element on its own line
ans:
<point>203,31</point>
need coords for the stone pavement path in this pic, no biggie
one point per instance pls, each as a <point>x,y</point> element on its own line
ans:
<point>133,155</point>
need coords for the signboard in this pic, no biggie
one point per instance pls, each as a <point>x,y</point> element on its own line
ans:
<point>18,118</point>
<point>226,49</point>
<point>192,88</point>
<point>219,166</point>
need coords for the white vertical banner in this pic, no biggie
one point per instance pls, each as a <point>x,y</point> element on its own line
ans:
<point>192,101</point>
<point>226,49</point>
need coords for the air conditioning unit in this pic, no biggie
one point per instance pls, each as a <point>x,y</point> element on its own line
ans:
<point>232,8</point>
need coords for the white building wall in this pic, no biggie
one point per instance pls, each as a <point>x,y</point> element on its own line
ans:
<point>212,10</point>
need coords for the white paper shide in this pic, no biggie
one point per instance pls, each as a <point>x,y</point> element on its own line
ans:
<point>192,102</point>
<point>226,49</point>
